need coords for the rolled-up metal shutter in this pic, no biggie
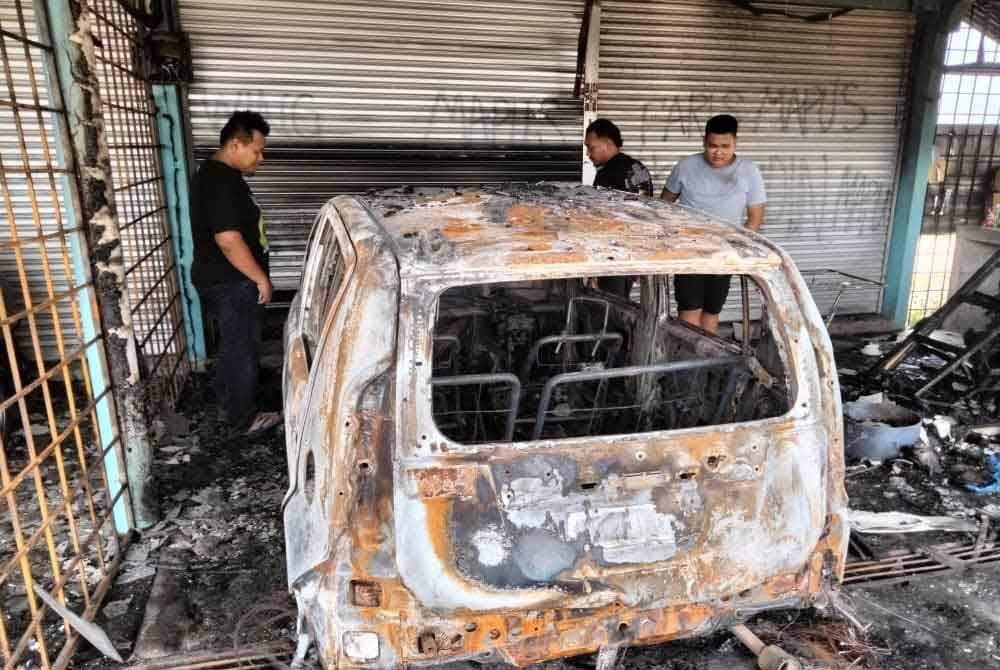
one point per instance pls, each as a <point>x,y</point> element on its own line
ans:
<point>820,103</point>
<point>375,95</point>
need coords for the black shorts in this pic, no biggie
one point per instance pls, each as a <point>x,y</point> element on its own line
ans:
<point>704,292</point>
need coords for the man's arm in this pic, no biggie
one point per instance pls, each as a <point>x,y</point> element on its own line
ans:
<point>238,254</point>
<point>668,195</point>
<point>755,217</point>
<point>755,194</point>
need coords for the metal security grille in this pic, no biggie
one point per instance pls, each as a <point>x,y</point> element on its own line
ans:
<point>60,492</point>
<point>150,270</point>
<point>820,104</point>
<point>967,153</point>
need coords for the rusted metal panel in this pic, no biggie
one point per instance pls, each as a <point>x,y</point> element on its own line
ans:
<point>529,550</point>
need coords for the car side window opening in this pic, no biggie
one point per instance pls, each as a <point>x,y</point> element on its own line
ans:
<point>325,271</point>
<point>520,361</point>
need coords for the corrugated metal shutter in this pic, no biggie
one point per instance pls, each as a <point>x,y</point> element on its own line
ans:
<point>374,95</point>
<point>820,107</point>
<point>37,223</point>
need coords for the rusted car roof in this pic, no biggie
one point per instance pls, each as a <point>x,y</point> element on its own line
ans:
<point>549,224</point>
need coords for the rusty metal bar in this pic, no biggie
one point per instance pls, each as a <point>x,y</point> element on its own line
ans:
<point>67,360</point>
<point>631,371</point>
<point>48,482</point>
<point>11,319</point>
<point>536,348</point>
<point>498,378</point>
<point>745,297</point>
<point>66,655</point>
<point>145,216</point>
<point>903,567</point>
<point>42,455</point>
<point>948,369</point>
<point>21,38</point>
<point>253,656</point>
<point>150,180</point>
<point>145,257</point>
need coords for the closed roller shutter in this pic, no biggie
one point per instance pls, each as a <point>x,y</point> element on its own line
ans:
<point>376,95</point>
<point>820,105</point>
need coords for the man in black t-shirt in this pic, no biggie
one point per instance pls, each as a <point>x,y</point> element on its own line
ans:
<point>230,264</point>
<point>615,169</point>
<point>619,171</point>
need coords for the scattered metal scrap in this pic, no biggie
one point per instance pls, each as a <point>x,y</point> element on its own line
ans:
<point>769,657</point>
<point>904,566</point>
<point>823,278</point>
<point>898,522</point>
<point>90,631</point>
<point>971,364</point>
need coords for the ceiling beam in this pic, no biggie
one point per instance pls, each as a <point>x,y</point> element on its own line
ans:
<point>916,6</point>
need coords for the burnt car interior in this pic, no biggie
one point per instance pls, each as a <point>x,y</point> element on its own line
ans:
<point>581,357</point>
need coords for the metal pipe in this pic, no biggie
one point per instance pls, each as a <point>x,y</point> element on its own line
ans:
<point>745,295</point>
<point>749,640</point>
<point>736,375</point>
<point>631,371</point>
<point>498,378</point>
<point>561,339</point>
<point>769,657</point>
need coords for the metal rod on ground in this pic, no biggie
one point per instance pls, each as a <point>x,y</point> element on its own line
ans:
<point>769,657</point>
<point>948,369</point>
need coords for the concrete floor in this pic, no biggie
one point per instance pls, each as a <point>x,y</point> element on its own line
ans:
<point>219,562</point>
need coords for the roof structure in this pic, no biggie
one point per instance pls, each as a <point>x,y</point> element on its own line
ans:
<point>557,224</point>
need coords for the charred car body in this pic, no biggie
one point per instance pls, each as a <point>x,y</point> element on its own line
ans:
<point>502,446</point>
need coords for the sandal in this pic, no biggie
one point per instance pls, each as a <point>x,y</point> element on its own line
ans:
<point>263,421</point>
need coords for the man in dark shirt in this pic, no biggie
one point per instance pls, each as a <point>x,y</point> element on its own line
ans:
<point>230,264</point>
<point>619,171</point>
<point>615,169</point>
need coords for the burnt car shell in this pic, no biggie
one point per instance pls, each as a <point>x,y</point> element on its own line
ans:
<point>406,546</point>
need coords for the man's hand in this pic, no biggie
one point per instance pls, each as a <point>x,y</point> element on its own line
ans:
<point>264,292</point>
<point>669,196</point>
<point>238,253</point>
<point>755,217</point>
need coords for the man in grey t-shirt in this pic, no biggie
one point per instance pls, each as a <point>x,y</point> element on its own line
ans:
<point>730,187</point>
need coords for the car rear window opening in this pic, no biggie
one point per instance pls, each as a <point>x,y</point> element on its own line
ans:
<point>577,357</point>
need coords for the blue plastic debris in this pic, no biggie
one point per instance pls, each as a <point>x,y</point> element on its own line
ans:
<point>993,486</point>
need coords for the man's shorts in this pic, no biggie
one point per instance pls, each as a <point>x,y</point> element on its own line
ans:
<point>704,292</point>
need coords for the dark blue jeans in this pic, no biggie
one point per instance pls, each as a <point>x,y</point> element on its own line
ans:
<point>234,306</point>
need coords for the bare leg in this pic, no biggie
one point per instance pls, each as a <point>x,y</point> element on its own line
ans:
<point>709,322</point>
<point>692,316</point>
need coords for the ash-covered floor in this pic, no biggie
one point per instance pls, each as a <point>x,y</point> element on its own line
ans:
<point>216,560</point>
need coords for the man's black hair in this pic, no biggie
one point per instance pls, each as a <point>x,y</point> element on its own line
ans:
<point>723,124</point>
<point>605,128</point>
<point>241,126</point>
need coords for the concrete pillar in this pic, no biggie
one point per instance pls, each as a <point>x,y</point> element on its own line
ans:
<point>71,29</point>
<point>176,183</point>
<point>933,26</point>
